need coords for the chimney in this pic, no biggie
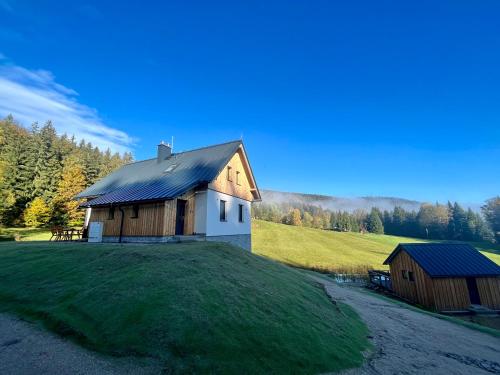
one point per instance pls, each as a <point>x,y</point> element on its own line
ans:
<point>164,151</point>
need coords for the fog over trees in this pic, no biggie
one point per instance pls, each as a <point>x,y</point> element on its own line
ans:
<point>431,221</point>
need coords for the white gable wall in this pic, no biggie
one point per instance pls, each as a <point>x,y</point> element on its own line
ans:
<point>215,227</point>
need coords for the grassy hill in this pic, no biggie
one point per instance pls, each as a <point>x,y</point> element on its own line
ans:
<point>315,248</point>
<point>198,307</point>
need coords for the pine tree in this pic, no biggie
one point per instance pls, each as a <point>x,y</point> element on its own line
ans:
<point>387,222</point>
<point>491,211</point>
<point>17,177</point>
<point>374,223</point>
<point>459,218</point>
<point>399,221</point>
<point>48,163</point>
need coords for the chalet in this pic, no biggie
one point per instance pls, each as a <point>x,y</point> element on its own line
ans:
<point>204,193</point>
<point>444,276</point>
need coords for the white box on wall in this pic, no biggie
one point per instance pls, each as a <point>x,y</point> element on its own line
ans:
<point>95,231</point>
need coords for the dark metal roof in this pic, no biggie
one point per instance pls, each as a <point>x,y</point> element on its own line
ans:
<point>448,259</point>
<point>149,180</point>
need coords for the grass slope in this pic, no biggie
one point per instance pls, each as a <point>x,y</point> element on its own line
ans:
<point>315,248</point>
<point>199,307</point>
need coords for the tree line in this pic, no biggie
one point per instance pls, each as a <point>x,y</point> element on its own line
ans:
<point>432,221</point>
<point>41,172</point>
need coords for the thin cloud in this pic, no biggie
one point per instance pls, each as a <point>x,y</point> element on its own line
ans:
<point>35,96</point>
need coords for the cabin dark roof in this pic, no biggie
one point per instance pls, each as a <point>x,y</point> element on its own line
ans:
<point>448,259</point>
<point>151,180</point>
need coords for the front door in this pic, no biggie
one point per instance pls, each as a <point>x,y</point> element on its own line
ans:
<point>473,291</point>
<point>179,221</point>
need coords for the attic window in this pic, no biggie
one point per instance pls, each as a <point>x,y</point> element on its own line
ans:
<point>229,173</point>
<point>171,168</point>
<point>238,179</point>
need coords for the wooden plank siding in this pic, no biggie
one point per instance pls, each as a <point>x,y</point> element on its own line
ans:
<point>418,291</point>
<point>450,294</point>
<point>489,291</point>
<point>170,213</point>
<point>241,188</point>
<point>441,294</point>
<point>189,218</point>
<point>111,227</point>
<point>155,219</point>
<point>149,222</point>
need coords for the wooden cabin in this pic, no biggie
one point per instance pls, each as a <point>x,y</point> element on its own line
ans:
<point>204,193</point>
<point>444,276</point>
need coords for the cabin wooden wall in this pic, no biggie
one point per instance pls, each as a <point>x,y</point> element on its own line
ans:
<point>489,291</point>
<point>241,190</point>
<point>189,219</point>
<point>450,294</point>
<point>155,219</point>
<point>442,294</point>
<point>111,227</point>
<point>170,213</point>
<point>149,222</point>
<point>418,291</point>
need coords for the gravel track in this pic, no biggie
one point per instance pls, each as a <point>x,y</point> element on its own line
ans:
<point>27,349</point>
<point>412,342</point>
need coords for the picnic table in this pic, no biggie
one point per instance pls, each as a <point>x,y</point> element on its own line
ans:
<point>66,234</point>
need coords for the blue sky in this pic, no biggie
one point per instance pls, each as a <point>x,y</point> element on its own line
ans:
<point>355,98</point>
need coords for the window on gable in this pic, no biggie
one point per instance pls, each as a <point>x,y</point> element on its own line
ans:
<point>222,213</point>
<point>229,173</point>
<point>135,211</point>
<point>411,277</point>
<point>238,178</point>
<point>240,213</point>
<point>111,213</point>
<point>405,274</point>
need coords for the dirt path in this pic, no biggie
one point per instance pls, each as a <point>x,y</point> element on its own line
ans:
<point>27,349</point>
<point>411,342</point>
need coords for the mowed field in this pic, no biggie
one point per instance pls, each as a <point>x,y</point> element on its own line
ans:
<point>316,248</point>
<point>194,308</point>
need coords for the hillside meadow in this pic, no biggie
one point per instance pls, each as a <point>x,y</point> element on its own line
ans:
<point>195,307</point>
<point>330,250</point>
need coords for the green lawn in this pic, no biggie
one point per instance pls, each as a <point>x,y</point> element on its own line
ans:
<point>198,307</point>
<point>24,234</point>
<point>315,248</point>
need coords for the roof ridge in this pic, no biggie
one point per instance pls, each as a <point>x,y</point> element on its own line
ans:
<point>184,152</point>
<point>205,147</point>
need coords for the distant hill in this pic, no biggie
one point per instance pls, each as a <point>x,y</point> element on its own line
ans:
<point>339,203</point>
